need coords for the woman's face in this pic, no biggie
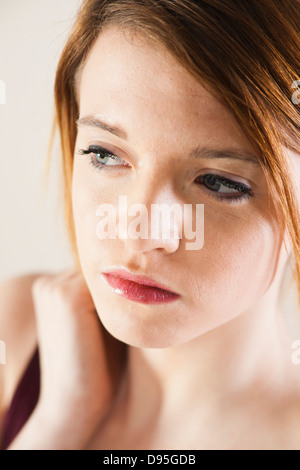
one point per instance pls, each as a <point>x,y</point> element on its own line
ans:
<point>166,114</point>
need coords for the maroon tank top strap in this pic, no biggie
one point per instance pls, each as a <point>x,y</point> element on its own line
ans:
<point>23,402</point>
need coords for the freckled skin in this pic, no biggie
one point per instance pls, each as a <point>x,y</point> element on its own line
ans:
<point>166,113</point>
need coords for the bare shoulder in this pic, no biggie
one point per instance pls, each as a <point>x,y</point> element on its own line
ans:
<point>17,331</point>
<point>16,308</point>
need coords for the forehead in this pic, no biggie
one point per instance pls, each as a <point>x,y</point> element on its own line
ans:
<point>137,81</point>
<point>132,60</point>
<point>120,63</point>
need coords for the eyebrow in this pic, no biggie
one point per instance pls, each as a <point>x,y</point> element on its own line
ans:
<point>197,153</point>
<point>91,121</point>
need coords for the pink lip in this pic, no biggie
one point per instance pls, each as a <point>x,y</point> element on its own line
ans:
<point>138,288</point>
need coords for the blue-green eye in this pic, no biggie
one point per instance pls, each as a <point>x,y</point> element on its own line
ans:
<point>100,157</point>
<point>224,189</point>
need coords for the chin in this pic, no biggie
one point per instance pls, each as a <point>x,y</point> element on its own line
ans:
<point>139,328</point>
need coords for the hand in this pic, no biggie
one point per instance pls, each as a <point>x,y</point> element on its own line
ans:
<point>81,362</point>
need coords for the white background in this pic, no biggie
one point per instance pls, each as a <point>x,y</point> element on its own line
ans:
<point>32,233</point>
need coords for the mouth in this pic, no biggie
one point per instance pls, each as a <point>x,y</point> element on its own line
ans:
<point>138,288</point>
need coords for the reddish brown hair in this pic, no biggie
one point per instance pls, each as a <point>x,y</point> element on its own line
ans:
<point>247,53</point>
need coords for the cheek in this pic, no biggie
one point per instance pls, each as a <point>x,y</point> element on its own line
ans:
<point>237,262</point>
<point>84,203</point>
<point>86,198</point>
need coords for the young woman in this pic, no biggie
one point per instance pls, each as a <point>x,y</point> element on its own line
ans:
<point>147,344</point>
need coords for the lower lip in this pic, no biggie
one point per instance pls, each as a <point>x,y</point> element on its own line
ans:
<point>139,292</point>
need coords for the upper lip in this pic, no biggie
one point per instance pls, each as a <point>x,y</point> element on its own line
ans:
<point>139,279</point>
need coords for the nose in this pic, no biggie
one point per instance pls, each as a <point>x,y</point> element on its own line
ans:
<point>150,218</point>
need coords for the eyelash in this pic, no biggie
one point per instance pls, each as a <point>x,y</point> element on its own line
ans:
<point>245,192</point>
<point>97,150</point>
